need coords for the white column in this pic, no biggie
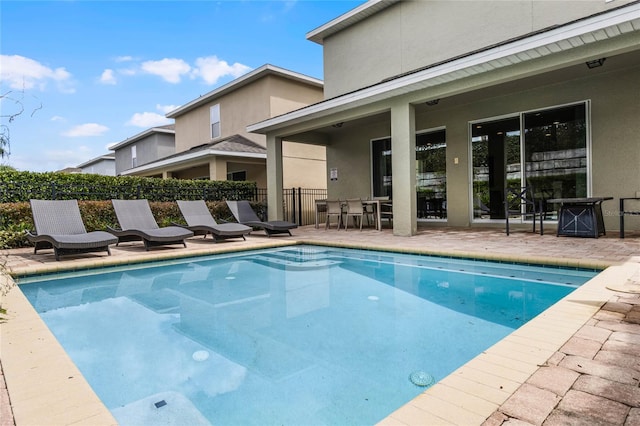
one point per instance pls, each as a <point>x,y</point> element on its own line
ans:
<point>403,167</point>
<point>274,177</point>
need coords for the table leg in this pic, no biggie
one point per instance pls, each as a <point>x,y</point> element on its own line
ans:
<point>621,218</point>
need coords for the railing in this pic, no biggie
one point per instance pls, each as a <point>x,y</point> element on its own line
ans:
<point>298,203</point>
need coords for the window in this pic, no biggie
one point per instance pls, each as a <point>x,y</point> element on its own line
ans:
<point>381,167</point>
<point>237,176</point>
<point>549,145</point>
<point>214,112</point>
<point>134,157</point>
<point>431,174</point>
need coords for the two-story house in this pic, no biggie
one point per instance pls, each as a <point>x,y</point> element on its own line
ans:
<point>209,139</point>
<point>457,100</point>
<point>133,153</point>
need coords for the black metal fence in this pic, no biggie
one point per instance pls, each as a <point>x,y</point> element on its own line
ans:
<point>298,203</point>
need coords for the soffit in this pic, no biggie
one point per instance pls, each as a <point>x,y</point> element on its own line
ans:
<point>559,40</point>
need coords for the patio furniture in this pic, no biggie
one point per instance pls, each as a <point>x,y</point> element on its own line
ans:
<point>59,225</point>
<point>580,217</point>
<point>333,209</point>
<point>137,223</point>
<point>201,222</point>
<point>355,210</point>
<point>628,212</point>
<point>521,202</point>
<point>386,212</point>
<point>244,214</point>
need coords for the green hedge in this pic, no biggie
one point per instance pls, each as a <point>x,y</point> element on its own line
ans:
<point>94,193</point>
<point>16,218</point>
<point>22,186</point>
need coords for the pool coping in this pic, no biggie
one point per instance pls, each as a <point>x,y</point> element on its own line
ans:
<point>46,387</point>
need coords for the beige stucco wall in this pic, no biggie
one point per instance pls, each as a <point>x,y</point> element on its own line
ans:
<point>615,153</point>
<point>413,34</point>
<point>267,97</point>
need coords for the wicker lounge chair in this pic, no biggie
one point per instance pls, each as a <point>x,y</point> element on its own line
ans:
<point>200,221</point>
<point>58,225</point>
<point>245,215</point>
<point>137,223</point>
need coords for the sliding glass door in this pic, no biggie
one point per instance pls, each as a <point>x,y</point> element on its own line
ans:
<point>381,168</point>
<point>543,149</point>
<point>431,174</point>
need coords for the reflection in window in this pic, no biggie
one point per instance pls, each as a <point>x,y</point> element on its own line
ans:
<point>554,160</point>
<point>556,151</point>
<point>431,175</point>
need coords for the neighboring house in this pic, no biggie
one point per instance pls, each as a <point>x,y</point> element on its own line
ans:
<point>102,165</point>
<point>144,148</point>
<point>211,140</point>
<point>455,100</point>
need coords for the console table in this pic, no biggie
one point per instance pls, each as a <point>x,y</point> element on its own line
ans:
<point>623,212</point>
<point>580,217</point>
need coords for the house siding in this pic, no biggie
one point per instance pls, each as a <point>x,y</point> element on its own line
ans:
<point>413,34</point>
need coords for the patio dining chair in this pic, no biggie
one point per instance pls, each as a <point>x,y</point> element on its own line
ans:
<point>522,202</point>
<point>334,209</point>
<point>355,210</point>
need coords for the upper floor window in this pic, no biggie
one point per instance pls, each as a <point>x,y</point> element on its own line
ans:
<point>214,112</point>
<point>134,157</point>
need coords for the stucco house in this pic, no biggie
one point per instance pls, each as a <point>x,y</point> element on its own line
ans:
<point>456,100</point>
<point>211,140</point>
<point>101,165</point>
<point>133,154</point>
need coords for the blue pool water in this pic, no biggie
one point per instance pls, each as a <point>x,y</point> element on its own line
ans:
<point>288,336</point>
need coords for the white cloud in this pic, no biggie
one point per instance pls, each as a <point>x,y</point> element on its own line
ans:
<point>108,77</point>
<point>148,119</point>
<point>166,108</point>
<point>170,70</point>
<point>88,129</point>
<point>25,73</point>
<point>57,118</point>
<point>211,69</point>
<point>124,59</point>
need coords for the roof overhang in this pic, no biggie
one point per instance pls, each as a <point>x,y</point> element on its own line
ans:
<point>189,158</point>
<point>343,21</point>
<point>608,26</point>
<point>241,81</point>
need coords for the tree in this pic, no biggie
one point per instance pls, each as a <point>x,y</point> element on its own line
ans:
<point>16,109</point>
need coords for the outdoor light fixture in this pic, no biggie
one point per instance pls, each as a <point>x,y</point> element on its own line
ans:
<point>595,63</point>
<point>432,102</point>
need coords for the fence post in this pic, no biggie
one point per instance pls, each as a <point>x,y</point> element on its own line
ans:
<point>293,205</point>
<point>53,190</point>
<point>300,206</point>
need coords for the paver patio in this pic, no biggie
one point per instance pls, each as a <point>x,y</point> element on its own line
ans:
<point>591,376</point>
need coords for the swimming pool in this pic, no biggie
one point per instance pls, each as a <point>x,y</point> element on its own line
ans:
<point>312,335</point>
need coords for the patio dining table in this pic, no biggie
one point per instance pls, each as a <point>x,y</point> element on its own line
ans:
<point>321,205</point>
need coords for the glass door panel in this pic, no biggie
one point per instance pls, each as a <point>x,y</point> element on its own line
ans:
<point>496,164</point>
<point>381,167</point>
<point>431,175</point>
<point>555,143</point>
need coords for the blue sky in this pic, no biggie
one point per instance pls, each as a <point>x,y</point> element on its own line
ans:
<point>92,73</point>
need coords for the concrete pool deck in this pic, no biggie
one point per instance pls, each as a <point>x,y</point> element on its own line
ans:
<point>576,363</point>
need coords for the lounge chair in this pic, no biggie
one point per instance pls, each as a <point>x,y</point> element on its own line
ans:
<point>137,223</point>
<point>58,225</point>
<point>245,215</point>
<point>200,221</point>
